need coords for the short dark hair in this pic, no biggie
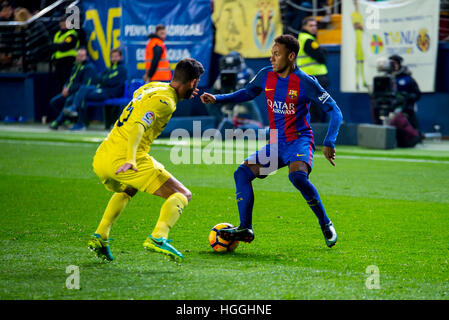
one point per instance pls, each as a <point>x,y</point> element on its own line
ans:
<point>306,20</point>
<point>117,50</point>
<point>160,27</point>
<point>290,42</point>
<point>187,70</point>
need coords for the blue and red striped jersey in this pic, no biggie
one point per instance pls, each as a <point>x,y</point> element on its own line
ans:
<point>288,100</point>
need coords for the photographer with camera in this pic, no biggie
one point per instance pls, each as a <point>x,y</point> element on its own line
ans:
<point>407,88</point>
<point>396,89</point>
<point>234,75</point>
<point>394,98</point>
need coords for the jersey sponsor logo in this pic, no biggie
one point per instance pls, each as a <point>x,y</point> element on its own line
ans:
<point>148,118</point>
<point>323,98</point>
<point>281,107</point>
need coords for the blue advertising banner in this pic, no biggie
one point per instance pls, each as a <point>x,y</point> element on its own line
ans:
<point>127,24</point>
<point>102,26</point>
<point>189,31</point>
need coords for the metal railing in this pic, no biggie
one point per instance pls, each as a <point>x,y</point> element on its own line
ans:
<point>35,17</point>
<point>315,10</point>
<point>293,13</point>
<point>25,45</point>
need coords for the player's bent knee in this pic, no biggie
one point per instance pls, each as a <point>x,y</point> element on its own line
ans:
<point>180,188</point>
<point>187,194</point>
<point>299,166</point>
<point>244,172</point>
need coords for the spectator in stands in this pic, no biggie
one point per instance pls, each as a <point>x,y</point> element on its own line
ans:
<point>110,85</point>
<point>407,89</point>
<point>36,40</point>
<point>83,73</point>
<point>32,6</point>
<point>157,67</point>
<point>65,45</point>
<point>7,12</point>
<point>6,57</point>
<point>312,60</point>
<point>22,14</point>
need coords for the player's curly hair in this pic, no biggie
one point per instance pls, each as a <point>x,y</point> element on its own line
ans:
<point>290,42</point>
<point>187,70</point>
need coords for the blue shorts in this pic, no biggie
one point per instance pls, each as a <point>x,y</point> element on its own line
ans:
<point>281,154</point>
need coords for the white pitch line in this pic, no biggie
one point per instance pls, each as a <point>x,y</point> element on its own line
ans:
<point>48,143</point>
<point>337,156</point>
<point>388,159</point>
<point>196,149</point>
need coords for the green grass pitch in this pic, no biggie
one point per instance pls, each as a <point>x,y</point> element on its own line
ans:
<point>390,210</point>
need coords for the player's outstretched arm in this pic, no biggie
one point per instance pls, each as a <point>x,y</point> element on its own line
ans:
<point>208,98</point>
<point>249,92</point>
<point>133,142</point>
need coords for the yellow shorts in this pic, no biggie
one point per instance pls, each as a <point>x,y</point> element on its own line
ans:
<point>151,174</point>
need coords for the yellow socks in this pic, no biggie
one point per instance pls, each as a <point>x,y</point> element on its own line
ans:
<point>170,212</point>
<point>115,206</point>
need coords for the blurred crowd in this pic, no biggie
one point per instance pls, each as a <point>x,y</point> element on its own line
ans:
<point>9,8</point>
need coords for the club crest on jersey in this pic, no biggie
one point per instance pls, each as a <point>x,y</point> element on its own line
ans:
<point>148,118</point>
<point>292,94</point>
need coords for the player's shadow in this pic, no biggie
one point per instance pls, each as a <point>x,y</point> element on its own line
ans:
<point>116,267</point>
<point>236,256</point>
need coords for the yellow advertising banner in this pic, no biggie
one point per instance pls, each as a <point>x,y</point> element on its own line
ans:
<point>246,26</point>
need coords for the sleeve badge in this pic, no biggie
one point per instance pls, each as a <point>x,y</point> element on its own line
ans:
<point>148,118</point>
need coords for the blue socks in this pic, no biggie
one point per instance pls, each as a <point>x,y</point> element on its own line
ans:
<point>245,195</point>
<point>243,177</point>
<point>301,181</point>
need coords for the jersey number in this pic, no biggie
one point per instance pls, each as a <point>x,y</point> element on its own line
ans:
<point>129,110</point>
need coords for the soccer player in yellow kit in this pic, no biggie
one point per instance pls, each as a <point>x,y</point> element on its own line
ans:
<point>124,166</point>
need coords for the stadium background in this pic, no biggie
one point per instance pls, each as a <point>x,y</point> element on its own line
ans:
<point>389,207</point>
<point>192,31</point>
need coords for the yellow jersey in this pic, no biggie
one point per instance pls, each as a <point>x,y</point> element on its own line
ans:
<point>152,106</point>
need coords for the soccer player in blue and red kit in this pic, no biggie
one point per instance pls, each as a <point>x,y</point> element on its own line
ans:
<point>288,91</point>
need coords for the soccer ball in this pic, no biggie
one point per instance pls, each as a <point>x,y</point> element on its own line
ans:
<point>219,244</point>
